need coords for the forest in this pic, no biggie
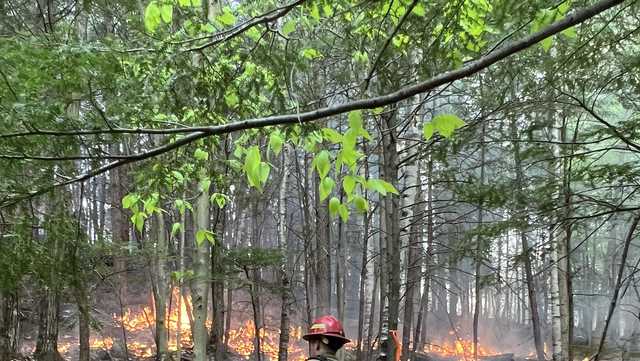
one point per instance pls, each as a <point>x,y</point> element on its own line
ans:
<point>453,180</point>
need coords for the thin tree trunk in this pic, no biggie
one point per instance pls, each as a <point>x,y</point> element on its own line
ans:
<point>285,266</point>
<point>526,253</point>
<point>363,272</point>
<point>421,323</point>
<point>256,316</point>
<point>217,287</point>
<point>322,255</point>
<point>201,279</point>
<point>161,288</point>
<point>392,223</point>
<point>478,255</point>
<point>618,285</point>
<point>414,266</point>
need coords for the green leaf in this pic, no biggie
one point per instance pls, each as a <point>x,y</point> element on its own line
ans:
<point>446,124</point>
<point>150,203</point>
<point>349,157</point>
<point>175,228</point>
<point>129,200</point>
<point>275,142</point>
<point>196,3</point>
<point>315,11</point>
<point>184,3</point>
<point>252,162</point>
<point>355,119</point>
<point>349,184</point>
<point>289,27</point>
<point>152,17</point>
<point>381,186</point>
<point>180,204</point>
<point>419,10</point>
<point>427,130</point>
<point>231,98</point>
<point>389,187</point>
<point>361,204</point>
<point>344,213</point>
<point>264,172</point>
<point>570,33</point>
<point>138,220</point>
<point>178,176</point>
<point>166,13</point>
<point>331,135</point>
<point>310,53</point>
<point>328,10</point>
<point>360,57</point>
<point>200,154</point>
<point>205,184</point>
<point>547,43</point>
<point>219,198</point>
<point>201,236</point>
<point>254,34</point>
<point>322,163</point>
<point>376,185</point>
<point>355,124</point>
<point>334,206</point>
<point>326,186</point>
<point>227,17</point>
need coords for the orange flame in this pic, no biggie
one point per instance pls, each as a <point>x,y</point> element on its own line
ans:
<point>463,349</point>
<point>140,326</point>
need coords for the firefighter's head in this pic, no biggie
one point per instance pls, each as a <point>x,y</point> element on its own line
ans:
<point>326,336</point>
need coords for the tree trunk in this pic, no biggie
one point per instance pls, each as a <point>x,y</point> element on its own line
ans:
<point>392,222</point>
<point>47,343</point>
<point>201,280</point>
<point>8,323</point>
<point>285,266</point>
<point>526,253</point>
<point>618,285</point>
<point>119,234</point>
<point>362,294</point>
<point>217,286</point>
<point>161,288</point>
<point>478,251</point>
<point>420,337</point>
<point>322,255</point>
<point>414,266</point>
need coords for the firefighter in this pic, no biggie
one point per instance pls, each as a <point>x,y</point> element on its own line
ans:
<point>325,337</point>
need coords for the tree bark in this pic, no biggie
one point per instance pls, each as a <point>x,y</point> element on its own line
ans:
<point>524,242</point>
<point>285,266</point>
<point>161,288</point>
<point>202,278</point>
<point>420,337</point>
<point>362,293</point>
<point>618,285</point>
<point>322,255</point>
<point>478,251</point>
<point>414,266</point>
<point>392,222</point>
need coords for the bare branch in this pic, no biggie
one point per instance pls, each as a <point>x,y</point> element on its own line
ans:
<point>237,30</point>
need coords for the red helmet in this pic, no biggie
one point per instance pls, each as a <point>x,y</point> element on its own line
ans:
<point>327,326</point>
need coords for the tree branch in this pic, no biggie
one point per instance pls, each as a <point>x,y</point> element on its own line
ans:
<point>237,30</point>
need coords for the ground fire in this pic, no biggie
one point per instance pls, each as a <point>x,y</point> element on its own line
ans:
<point>462,349</point>
<point>139,323</point>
